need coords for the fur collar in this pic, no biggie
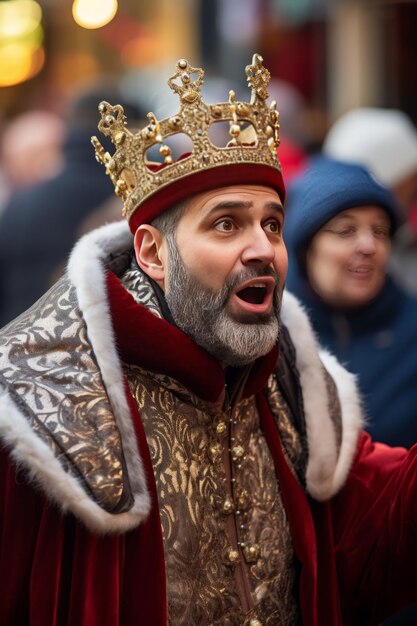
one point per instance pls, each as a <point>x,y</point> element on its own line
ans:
<point>328,465</point>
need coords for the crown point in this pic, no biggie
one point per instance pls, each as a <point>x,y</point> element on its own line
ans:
<point>182,64</point>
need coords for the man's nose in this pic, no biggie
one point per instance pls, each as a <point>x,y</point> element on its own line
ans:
<point>258,249</point>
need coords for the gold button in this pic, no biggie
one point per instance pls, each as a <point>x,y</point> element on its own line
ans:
<point>251,552</point>
<point>215,452</point>
<point>255,622</point>
<point>238,452</point>
<point>228,506</point>
<point>233,556</point>
<point>221,428</point>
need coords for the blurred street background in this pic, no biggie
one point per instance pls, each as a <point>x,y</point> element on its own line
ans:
<point>327,56</point>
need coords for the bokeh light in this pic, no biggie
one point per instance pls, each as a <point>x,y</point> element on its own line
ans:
<point>19,17</point>
<point>94,13</point>
<point>21,35</point>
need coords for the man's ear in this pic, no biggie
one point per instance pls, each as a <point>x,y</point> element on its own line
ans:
<point>150,251</point>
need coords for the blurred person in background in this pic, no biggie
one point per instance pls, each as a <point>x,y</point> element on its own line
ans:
<point>339,227</point>
<point>385,142</point>
<point>40,222</point>
<point>30,150</point>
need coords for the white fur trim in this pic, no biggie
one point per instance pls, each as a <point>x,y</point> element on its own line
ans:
<point>352,416</point>
<point>85,269</point>
<point>326,470</point>
<point>29,450</point>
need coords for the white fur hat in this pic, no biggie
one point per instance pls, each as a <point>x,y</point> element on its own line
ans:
<point>383,140</point>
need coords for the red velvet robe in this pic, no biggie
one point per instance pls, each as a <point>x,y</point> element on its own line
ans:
<point>356,553</point>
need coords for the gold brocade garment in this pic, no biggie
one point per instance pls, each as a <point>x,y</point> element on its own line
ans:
<point>228,550</point>
<point>51,372</point>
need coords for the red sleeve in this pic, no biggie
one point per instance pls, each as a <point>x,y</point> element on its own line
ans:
<point>375,525</point>
<point>54,572</point>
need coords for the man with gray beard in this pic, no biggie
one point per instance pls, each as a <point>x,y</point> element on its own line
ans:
<point>174,448</point>
<point>203,315</point>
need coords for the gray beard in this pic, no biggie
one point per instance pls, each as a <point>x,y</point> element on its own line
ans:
<point>203,315</point>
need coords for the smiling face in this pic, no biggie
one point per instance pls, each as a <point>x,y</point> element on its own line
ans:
<point>347,258</point>
<point>226,269</point>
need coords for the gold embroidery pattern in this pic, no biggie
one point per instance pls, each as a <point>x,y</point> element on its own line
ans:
<point>264,525</point>
<point>184,437</point>
<point>200,586</point>
<point>290,438</point>
<point>51,370</point>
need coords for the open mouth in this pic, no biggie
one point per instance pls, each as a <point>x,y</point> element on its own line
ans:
<point>254,294</point>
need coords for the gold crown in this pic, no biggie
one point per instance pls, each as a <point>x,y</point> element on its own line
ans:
<point>253,132</point>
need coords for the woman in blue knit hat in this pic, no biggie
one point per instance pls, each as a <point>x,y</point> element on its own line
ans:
<point>338,229</point>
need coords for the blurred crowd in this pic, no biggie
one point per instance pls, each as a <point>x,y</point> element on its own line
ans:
<point>351,228</point>
<point>52,188</point>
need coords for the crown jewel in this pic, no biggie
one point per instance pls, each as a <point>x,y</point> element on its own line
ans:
<point>253,136</point>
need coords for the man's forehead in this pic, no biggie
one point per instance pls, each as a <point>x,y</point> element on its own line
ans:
<point>239,194</point>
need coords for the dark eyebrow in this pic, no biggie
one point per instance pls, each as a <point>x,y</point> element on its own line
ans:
<point>236,205</point>
<point>230,205</point>
<point>275,206</point>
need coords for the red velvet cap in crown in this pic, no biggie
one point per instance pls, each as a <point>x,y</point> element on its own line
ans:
<point>250,156</point>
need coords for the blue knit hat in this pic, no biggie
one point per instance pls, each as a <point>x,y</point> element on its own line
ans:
<point>325,189</point>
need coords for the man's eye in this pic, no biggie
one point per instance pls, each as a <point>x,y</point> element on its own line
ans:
<point>273,227</point>
<point>225,226</point>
